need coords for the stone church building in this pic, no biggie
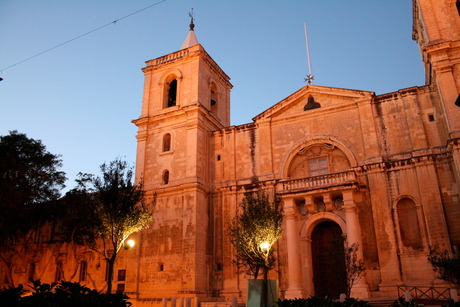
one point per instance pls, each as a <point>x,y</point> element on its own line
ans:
<point>381,169</point>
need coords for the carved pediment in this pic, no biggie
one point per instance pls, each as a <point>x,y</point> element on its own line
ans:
<point>310,99</point>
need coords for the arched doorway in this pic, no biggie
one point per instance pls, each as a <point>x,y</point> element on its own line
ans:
<point>328,256</point>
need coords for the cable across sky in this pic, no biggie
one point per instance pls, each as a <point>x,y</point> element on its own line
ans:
<point>84,34</point>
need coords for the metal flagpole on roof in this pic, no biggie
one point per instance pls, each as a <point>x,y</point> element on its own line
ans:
<point>309,79</point>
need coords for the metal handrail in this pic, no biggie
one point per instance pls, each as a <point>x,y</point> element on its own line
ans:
<point>431,294</point>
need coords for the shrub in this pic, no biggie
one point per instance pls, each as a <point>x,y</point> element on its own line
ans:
<point>452,303</point>
<point>401,302</point>
<point>317,301</point>
<point>68,294</point>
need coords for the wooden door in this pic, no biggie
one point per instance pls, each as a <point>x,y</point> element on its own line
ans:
<point>329,274</point>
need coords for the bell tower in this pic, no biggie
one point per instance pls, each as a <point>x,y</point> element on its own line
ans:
<point>437,31</point>
<point>186,97</point>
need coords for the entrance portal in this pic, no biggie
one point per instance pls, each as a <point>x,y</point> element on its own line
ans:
<point>328,256</point>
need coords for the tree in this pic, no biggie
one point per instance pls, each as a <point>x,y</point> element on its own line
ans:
<point>447,267</point>
<point>29,181</point>
<point>254,231</point>
<point>118,208</point>
<point>354,266</point>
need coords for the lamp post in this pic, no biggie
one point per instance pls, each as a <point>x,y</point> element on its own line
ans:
<point>265,249</point>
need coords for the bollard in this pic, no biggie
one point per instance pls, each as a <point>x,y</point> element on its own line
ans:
<point>342,297</point>
<point>234,302</point>
<point>454,295</point>
<point>407,296</point>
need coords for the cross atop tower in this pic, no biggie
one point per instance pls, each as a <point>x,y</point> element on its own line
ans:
<point>192,19</point>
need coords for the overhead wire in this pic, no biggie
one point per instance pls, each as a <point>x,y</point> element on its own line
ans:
<point>80,36</point>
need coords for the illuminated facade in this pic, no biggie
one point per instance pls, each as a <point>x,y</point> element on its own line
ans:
<point>382,169</point>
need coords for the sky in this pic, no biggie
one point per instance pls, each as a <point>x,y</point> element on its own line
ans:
<point>80,97</point>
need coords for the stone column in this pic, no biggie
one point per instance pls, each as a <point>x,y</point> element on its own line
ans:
<point>295,289</point>
<point>361,288</point>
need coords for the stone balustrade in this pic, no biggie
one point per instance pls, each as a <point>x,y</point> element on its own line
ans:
<point>168,58</point>
<point>317,182</point>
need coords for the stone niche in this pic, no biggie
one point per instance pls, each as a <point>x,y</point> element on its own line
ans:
<point>318,159</point>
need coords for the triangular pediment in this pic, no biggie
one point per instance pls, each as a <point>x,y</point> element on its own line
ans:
<point>312,99</point>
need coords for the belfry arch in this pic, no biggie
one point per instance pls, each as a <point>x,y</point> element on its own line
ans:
<point>170,82</point>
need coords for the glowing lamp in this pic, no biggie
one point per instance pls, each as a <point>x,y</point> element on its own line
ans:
<point>129,244</point>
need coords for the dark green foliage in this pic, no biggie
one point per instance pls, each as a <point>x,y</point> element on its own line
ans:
<point>11,296</point>
<point>452,303</point>
<point>260,220</point>
<point>447,267</point>
<point>76,218</point>
<point>30,185</point>
<point>66,294</point>
<point>317,301</point>
<point>29,177</point>
<point>401,302</point>
<point>351,302</point>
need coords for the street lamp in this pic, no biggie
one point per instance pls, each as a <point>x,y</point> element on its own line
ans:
<point>265,246</point>
<point>265,249</point>
<point>130,243</point>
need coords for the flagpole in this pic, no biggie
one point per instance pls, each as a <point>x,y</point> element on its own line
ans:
<point>309,78</point>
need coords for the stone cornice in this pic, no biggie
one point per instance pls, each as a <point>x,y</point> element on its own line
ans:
<point>414,90</point>
<point>441,46</point>
<point>405,160</point>
<point>186,184</point>
<point>165,60</point>
<point>177,112</point>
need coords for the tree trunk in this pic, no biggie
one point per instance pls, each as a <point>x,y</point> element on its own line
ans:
<point>110,267</point>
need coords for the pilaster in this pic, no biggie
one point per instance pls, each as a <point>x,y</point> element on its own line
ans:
<point>295,289</point>
<point>361,288</point>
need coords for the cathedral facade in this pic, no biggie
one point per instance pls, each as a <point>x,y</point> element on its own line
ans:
<point>383,170</point>
<point>380,169</point>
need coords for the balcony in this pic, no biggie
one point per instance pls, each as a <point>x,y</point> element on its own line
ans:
<point>345,179</point>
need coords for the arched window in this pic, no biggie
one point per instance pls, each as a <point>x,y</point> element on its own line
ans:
<point>32,271</point>
<point>213,94</point>
<point>409,226</point>
<point>172,93</point>
<point>167,142</point>
<point>59,272</point>
<point>214,100</point>
<point>83,270</point>
<point>166,177</point>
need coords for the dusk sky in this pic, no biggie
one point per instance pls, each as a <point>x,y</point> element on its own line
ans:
<point>80,98</point>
